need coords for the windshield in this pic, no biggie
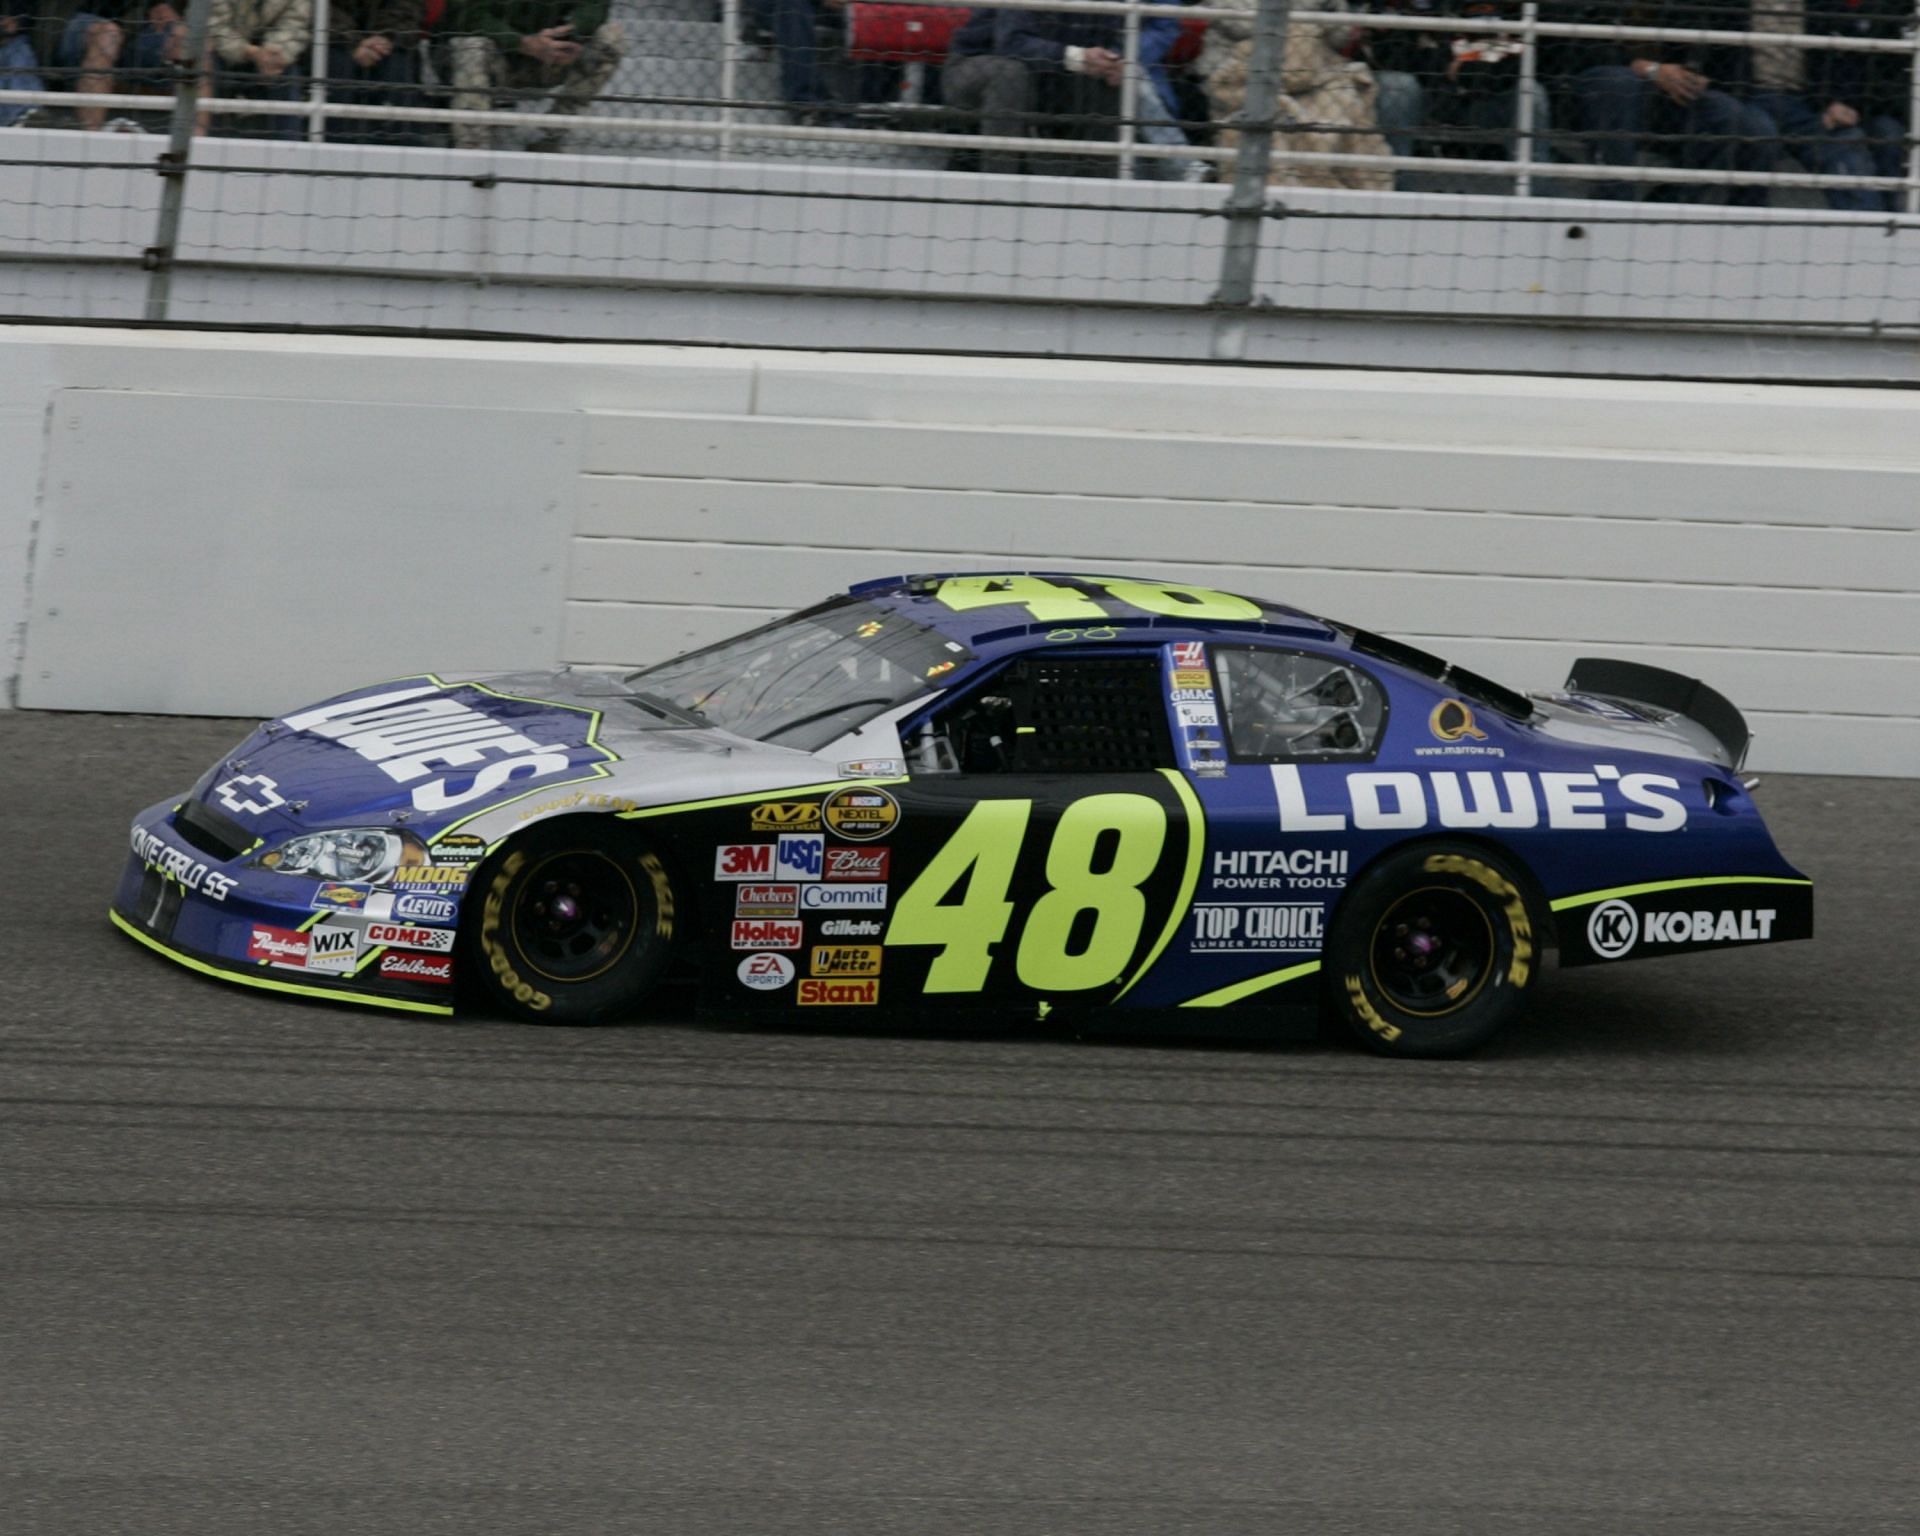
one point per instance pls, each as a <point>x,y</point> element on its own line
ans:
<point>806,680</point>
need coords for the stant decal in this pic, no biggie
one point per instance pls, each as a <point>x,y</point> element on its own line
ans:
<point>860,814</point>
<point>815,993</point>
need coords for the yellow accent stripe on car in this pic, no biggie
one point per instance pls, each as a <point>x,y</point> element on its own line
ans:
<point>1196,849</point>
<point>1250,986</point>
<point>1588,898</point>
<point>269,984</point>
<point>754,795</point>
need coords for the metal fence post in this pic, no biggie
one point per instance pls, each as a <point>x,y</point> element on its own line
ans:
<point>1911,201</point>
<point>1130,78</point>
<point>1523,124</point>
<point>172,165</point>
<point>319,66</point>
<point>1246,206</point>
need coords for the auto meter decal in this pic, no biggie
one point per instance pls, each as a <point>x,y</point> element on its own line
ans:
<point>860,814</point>
<point>454,744</point>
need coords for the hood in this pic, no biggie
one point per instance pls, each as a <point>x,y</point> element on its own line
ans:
<point>422,752</point>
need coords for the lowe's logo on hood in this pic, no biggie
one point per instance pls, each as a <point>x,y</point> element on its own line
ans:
<point>452,752</point>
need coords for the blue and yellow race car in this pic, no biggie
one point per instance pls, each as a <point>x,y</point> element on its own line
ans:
<point>971,795</point>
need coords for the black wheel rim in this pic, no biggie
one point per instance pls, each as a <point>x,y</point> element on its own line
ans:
<point>575,916</point>
<point>1433,950</point>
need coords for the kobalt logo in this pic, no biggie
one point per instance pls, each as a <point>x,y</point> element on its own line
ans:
<point>1612,928</point>
<point>254,793</point>
<point>830,898</point>
<point>408,733</point>
<point>1405,802</point>
<point>765,973</point>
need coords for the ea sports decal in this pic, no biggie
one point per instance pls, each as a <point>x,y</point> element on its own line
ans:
<point>765,972</point>
<point>860,814</point>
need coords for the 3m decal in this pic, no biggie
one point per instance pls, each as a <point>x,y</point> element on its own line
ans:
<point>857,863</point>
<point>845,960</point>
<point>436,969</point>
<point>1058,951</point>
<point>253,793</point>
<point>815,993</point>
<point>766,901</point>
<point>743,861</point>
<point>765,973</point>
<point>860,815</point>
<point>406,936</point>
<point>767,933</point>
<point>786,816</point>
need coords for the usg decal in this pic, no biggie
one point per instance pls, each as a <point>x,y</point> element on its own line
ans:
<point>799,856</point>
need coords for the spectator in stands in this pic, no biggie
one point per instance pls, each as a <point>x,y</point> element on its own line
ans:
<point>1328,95</point>
<point>90,44</point>
<point>257,47</point>
<point>1838,112</point>
<point>1407,68</point>
<point>1018,70</point>
<point>568,47</point>
<point>373,50</point>
<point>19,64</point>
<point>1481,89</point>
<point>1646,94</point>
<point>793,26</point>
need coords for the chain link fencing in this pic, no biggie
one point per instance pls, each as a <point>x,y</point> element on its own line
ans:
<point>1743,167</point>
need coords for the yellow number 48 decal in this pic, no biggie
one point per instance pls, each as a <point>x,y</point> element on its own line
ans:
<point>1050,603</point>
<point>983,852</point>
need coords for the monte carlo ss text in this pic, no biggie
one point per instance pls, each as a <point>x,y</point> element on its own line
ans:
<point>978,797</point>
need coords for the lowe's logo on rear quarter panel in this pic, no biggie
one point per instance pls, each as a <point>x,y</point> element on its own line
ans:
<point>1406,802</point>
<point>449,743</point>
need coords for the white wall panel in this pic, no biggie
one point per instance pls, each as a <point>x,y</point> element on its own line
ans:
<point>203,554</point>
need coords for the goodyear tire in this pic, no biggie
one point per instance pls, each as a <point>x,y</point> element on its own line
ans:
<point>1433,952</point>
<point>569,925</point>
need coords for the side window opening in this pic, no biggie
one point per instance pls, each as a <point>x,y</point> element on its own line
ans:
<point>1052,714</point>
<point>1290,706</point>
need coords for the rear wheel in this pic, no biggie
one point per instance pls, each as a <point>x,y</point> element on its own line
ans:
<point>1433,953</point>
<point>572,925</point>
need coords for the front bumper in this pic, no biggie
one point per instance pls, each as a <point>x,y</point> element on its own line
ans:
<point>247,925</point>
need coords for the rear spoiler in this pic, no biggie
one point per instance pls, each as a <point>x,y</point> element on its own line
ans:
<point>1661,689</point>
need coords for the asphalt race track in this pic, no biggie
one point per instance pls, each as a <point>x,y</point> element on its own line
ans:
<point>1651,1265</point>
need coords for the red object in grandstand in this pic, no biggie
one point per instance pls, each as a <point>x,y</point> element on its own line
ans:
<point>1186,47</point>
<point>902,34</point>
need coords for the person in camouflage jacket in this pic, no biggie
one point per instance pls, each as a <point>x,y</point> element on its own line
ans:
<point>526,46</point>
<point>257,46</point>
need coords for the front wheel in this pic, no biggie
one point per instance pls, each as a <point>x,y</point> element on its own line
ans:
<point>574,924</point>
<point>1433,952</point>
